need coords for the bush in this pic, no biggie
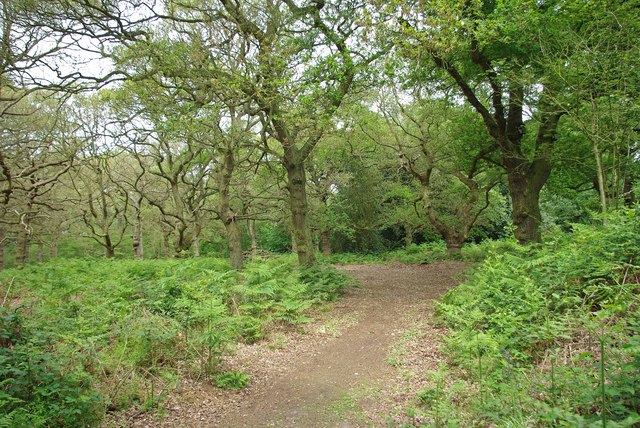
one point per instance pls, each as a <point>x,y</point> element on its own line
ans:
<point>414,254</point>
<point>38,388</point>
<point>83,335</point>
<point>549,334</point>
<point>232,380</point>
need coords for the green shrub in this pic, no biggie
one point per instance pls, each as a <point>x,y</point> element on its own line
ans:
<point>526,328</point>
<point>125,328</point>
<point>414,254</point>
<point>39,387</point>
<point>232,380</point>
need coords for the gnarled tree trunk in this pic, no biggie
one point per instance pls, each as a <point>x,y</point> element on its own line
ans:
<point>525,201</point>
<point>109,250</point>
<point>23,239</point>
<point>296,183</point>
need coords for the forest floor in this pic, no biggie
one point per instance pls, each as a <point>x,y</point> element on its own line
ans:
<point>357,365</point>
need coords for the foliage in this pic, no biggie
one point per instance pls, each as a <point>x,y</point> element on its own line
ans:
<point>426,253</point>
<point>548,335</point>
<point>414,254</point>
<point>83,335</point>
<point>38,387</point>
<point>232,380</point>
<point>274,237</point>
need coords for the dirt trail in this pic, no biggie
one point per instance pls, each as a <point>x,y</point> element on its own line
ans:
<point>313,375</point>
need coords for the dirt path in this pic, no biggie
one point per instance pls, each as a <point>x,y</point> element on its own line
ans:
<point>309,380</point>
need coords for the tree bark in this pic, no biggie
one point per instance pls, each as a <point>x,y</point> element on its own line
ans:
<point>627,192</point>
<point>40,252</point>
<point>138,247</point>
<point>166,240</point>
<point>408,236</point>
<point>22,248</point>
<point>526,215</point>
<point>226,214</point>
<point>296,183</point>
<point>183,241</point>
<point>467,213</point>
<point>54,248</point>
<point>524,187</point>
<point>325,243</point>
<point>196,245</point>
<point>24,235</point>
<point>602,186</point>
<point>235,244</point>
<point>197,230</point>
<point>2,240</point>
<point>251,225</point>
<point>109,250</point>
<point>454,247</point>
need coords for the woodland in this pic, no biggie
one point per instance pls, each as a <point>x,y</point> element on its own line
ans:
<point>178,177</point>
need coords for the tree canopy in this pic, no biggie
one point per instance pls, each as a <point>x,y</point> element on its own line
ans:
<point>336,124</point>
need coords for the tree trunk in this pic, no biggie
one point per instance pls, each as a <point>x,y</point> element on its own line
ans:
<point>627,192</point>
<point>182,241</point>
<point>22,248</point>
<point>525,200</point>
<point>251,224</point>
<point>196,245</point>
<point>454,247</point>
<point>234,237</point>
<point>197,230</point>
<point>109,250</point>
<point>408,236</point>
<point>54,248</point>
<point>2,239</point>
<point>296,183</point>
<point>602,181</point>
<point>504,123</point>
<point>40,252</point>
<point>138,247</point>
<point>166,244</point>
<point>24,236</point>
<point>226,214</point>
<point>325,243</point>
<point>454,236</point>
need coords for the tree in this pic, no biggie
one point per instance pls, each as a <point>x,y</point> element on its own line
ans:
<point>601,100</point>
<point>444,148</point>
<point>297,64</point>
<point>492,53</point>
<point>36,150</point>
<point>328,173</point>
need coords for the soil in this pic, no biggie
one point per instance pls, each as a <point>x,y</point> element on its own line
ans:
<point>356,366</point>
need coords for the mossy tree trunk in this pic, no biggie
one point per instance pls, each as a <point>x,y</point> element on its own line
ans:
<point>296,184</point>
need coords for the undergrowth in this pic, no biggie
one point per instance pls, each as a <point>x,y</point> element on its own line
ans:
<point>82,337</point>
<point>424,253</point>
<point>545,336</point>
